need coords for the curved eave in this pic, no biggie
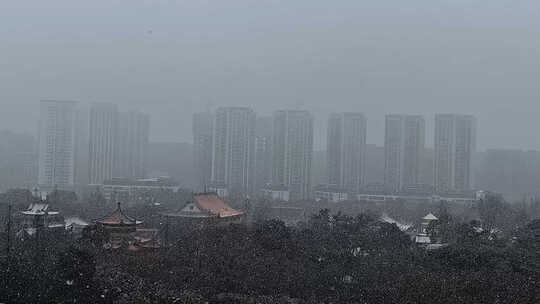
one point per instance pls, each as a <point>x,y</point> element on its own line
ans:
<point>231,215</point>
<point>40,213</point>
<point>202,216</point>
<point>119,224</point>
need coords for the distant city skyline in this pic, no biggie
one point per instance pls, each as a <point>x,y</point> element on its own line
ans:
<point>319,145</point>
<point>373,57</point>
<point>375,126</point>
<point>468,172</point>
<point>80,144</point>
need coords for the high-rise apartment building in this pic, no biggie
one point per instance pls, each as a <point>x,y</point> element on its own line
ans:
<point>404,150</point>
<point>131,152</point>
<point>233,149</point>
<point>103,122</point>
<point>202,148</point>
<point>455,143</point>
<point>346,151</point>
<point>57,137</point>
<point>263,152</point>
<point>82,129</point>
<point>292,147</point>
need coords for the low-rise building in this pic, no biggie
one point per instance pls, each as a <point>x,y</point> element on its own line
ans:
<point>276,193</point>
<point>330,193</point>
<point>220,189</point>
<point>129,190</point>
<point>376,197</point>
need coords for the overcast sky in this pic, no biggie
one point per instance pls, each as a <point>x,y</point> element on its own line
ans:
<point>171,58</point>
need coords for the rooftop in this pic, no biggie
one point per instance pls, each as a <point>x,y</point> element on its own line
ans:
<point>215,205</point>
<point>430,217</point>
<point>206,205</point>
<point>118,217</point>
<point>39,209</point>
<point>75,221</point>
<point>147,182</point>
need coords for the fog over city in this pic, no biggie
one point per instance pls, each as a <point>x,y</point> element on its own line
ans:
<point>270,151</point>
<point>173,58</point>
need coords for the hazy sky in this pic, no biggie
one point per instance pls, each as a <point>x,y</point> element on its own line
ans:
<point>171,58</point>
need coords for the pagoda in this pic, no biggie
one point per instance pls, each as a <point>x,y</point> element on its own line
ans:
<point>39,217</point>
<point>118,228</point>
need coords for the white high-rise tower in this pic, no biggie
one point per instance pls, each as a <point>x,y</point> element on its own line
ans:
<point>455,143</point>
<point>404,151</point>
<point>346,148</point>
<point>292,147</point>
<point>102,141</point>
<point>234,149</point>
<point>202,147</point>
<point>131,146</point>
<point>57,143</point>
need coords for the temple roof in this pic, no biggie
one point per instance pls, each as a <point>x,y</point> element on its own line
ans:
<point>118,217</point>
<point>77,221</point>
<point>206,205</point>
<point>214,205</point>
<point>39,209</point>
<point>430,217</point>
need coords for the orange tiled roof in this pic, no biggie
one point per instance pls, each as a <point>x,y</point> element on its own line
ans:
<point>215,205</point>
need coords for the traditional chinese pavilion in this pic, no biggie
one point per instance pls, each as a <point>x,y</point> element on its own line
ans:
<point>423,235</point>
<point>38,216</point>
<point>118,228</point>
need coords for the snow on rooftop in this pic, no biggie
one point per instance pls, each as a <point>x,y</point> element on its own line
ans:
<point>39,209</point>
<point>430,217</point>
<point>75,221</point>
<point>403,227</point>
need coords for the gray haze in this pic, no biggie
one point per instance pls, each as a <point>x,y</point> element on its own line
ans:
<point>171,58</point>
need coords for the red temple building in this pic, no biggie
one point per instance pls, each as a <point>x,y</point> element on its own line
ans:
<point>207,208</point>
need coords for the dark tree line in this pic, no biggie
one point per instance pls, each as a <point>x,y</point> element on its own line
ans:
<point>332,258</point>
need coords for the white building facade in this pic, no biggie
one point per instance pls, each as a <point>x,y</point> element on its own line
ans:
<point>346,148</point>
<point>57,128</point>
<point>455,143</point>
<point>263,153</point>
<point>131,145</point>
<point>234,149</point>
<point>404,146</point>
<point>102,141</point>
<point>202,148</point>
<point>292,147</point>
